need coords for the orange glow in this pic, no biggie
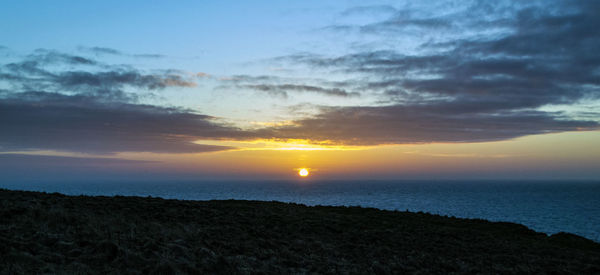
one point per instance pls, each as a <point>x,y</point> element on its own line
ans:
<point>303,172</point>
<point>282,145</point>
<point>539,155</point>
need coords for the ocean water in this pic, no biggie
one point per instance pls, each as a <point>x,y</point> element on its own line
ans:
<point>544,206</point>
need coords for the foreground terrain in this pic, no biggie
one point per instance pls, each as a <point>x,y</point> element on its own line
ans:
<point>53,233</point>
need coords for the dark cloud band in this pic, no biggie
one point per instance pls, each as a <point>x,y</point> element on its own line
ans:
<point>49,121</point>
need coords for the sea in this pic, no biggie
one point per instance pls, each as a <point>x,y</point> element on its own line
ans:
<point>544,206</point>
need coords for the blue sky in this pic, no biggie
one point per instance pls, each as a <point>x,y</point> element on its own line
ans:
<point>220,33</point>
<point>220,38</point>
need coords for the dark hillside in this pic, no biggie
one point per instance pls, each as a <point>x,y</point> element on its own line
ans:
<point>53,233</point>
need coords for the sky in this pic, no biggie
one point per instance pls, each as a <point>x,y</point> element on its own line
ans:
<point>262,89</point>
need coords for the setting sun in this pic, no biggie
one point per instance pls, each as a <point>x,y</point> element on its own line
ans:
<point>303,172</point>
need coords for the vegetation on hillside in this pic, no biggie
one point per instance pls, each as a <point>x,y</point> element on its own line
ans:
<point>53,233</point>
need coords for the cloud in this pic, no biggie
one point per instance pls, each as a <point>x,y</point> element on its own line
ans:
<point>484,85</point>
<point>373,9</point>
<point>80,123</point>
<point>149,55</point>
<point>403,20</point>
<point>284,88</point>
<point>430,123</point>
<point>434,18</point>
<point>100,50</point>
<point>48,57</point>
<point>118,78</point>
<point>396,20</point>
<point>38,71</point>
<point>63,102</point>
<point>279,86</point>
<point>489,78</point>
<point>38,161</point>
<point>110,51</point>
<point>478,86</point>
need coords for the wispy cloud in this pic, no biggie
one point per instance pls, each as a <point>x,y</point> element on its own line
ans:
<point>463,155</point>
<point>284,88</point>
<point>278,86</point>
<point>110,51</point>
<point>372,10</point>
<point>38,72</point>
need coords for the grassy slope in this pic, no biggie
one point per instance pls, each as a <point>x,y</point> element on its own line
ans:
<point>55,233</point>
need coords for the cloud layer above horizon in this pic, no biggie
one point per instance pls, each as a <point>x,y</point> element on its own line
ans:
<point>478,72</point>
<point>487,85</point>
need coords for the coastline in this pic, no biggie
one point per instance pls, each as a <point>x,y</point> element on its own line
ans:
<point>48,233</point>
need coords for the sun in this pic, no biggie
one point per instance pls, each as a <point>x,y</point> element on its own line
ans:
<point>303,172</point>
